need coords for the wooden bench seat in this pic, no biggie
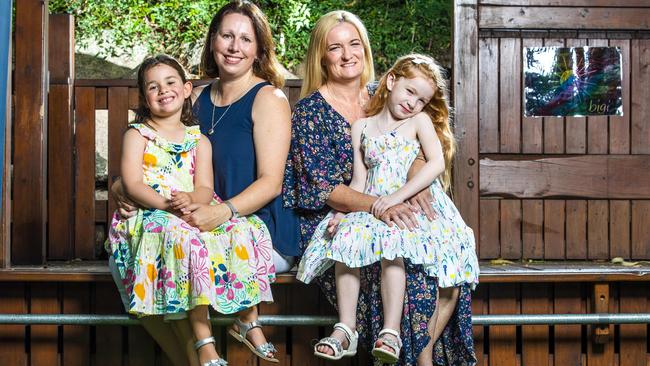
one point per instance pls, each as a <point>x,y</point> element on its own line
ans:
<point>538,271</point>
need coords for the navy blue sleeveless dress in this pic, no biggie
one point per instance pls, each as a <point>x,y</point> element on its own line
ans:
<point>235,165</point>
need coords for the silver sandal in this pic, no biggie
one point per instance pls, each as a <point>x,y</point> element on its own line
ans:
<point>216,362</point>
<point>384,355</point>
<point>260,351</point>
<point>335,344</point>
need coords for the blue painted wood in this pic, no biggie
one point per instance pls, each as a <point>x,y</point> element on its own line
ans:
<point>5,78</point>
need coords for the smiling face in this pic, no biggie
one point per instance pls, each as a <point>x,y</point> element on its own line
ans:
<point>164,91</point>
<point>408,96</point>
<point>234,46</point>
<point>344,53</point>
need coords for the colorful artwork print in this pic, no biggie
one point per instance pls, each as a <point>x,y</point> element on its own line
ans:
<point>576,81</point>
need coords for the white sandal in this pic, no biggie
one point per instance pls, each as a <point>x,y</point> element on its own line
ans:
<point>263,350</point>
<point>384,355</point>
<point>216,362</point>
<point>336,346</point>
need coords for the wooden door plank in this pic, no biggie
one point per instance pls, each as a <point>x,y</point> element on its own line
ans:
<point>568,338</point>
<point>554,221</point>
<point>576,127</point>
<point>510,229</point>
<point>640,229</point>
<point>619,228</point>
<point>533,229</point>
<point>576,233</point>
<point>108,338</point>
<point>597,134</point>
<point>503,340</point>
<point>640,129</point>
<point>633,299</point>
<point>479,307</point>
<point>510,95</point>
<point>488,99</point>
<point>489,239</point>
<point>546,17</point>
<point>12,337</point>
<point>554,126</point>
<point>532,141</point>
<point>597,229</point>
<point>619,126</point>
<point>44,339</point>
<point>118,118</point>
<point>76,338</point>
<point>535,299</point>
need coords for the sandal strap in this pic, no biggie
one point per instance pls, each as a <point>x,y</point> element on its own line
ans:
<point>331,342</point>
<point>202,342</point>
<point>267,348</point>
<point>349,334</point>
<point>245,327</point>
<point>392,332</point>
<point>216,362</point>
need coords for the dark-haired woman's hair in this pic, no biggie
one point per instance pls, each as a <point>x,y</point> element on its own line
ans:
<point>266,66</point>
<point>143,114</point>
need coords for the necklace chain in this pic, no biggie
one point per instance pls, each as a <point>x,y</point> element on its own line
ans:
<point>383,132</point>
<point>214,123</point>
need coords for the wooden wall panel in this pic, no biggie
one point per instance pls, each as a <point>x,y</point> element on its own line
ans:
<point>619,228</point>
<point>545,17</point>
<point>640,229</point>
<point>554,239</point>
<point>44,338</point>
<point>76,338</point>
<point>118,118</point>
<point>619,126</point>
<point>85,172</point>
<point>108,338</point>
<point>640,129</point>
<point>532,141</point>
<point>554,126</point>
<point>12,337</point>
<point>597,131</point>
<point>489,238</point>
<point>572,3</point>
<point>510,95</point>
<point>510,229</point>
<point>576,229</point>
<point>535,299</point>
<point>488,98</point>
<point>597,229</point>
<point>532,229</point>
<point>633,337</point>
<point>568,338</point>
<point>503,349</point>
<point>480,306</point>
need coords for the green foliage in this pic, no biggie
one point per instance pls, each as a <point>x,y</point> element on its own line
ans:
<point>177,27</point>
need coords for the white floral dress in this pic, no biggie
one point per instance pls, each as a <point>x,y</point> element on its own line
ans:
<point>444,246</point>
<point>168,266</point>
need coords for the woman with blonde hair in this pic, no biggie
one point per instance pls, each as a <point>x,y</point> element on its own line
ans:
<point>335,95</point>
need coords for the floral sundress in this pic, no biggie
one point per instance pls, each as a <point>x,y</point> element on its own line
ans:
<point>168,266</point>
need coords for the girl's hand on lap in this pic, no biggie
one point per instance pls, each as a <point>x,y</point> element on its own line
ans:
<point>402,215</point>
<point>383,203</point>
<point>206,217</point>
<point>180,200</point>
<point>422,202</point>
<point>333,224</point>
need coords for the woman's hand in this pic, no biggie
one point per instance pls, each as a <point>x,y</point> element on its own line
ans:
<point>333,224</point>
<point>423,200</point>
<point>206,217</point>
<point>180,200</point>
<point>125,207</point>
<point>403,215</point>
<point>383,203</point>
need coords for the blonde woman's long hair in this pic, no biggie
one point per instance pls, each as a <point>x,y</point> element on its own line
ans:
<point>437,108</point>
<point>315,71</point>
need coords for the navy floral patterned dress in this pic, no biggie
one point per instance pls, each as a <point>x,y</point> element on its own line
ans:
<point>320,159</point>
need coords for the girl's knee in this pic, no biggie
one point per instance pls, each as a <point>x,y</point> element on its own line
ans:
<point>392,262</point>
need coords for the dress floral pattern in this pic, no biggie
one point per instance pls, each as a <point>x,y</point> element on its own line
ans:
<point>320,159</point>
<point>168,266</point>
<point>444,246</point>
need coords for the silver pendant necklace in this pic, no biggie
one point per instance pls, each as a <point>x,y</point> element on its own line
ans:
<point>214,123</point>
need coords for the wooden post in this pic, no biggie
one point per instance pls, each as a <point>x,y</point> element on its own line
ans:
<point>465,86</point>
<point>60,182</point>
<point>30,133</point>
<point>5,129</point>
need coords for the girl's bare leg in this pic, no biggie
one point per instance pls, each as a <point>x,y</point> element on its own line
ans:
<point>201,328</point>
<point>347,297</point>
<point>393,287</point>
<point>446,305</point>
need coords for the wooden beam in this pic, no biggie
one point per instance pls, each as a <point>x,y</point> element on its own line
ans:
<point>593,176</point>
<point>30,133</point>
<point>546,17</point>
<point>5,130</point>
<point>465,91</point>
<point>569,3</point>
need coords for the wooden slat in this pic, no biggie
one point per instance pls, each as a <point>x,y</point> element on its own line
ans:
<point>531,127</point>
<point>567,3</point>
<point>85,172</point>
<point>141,347</point>
<point>133,98</point>
<point>300,349</point>
<point>594,176</point>
<point>600,350</point>
<point>479,307</point>
<point>76,338</point>
<point>640,129</point>
<point>61,48</point>
<point>563,18</point>
<point>277,335</point>
<point>576,234</point>
<point>568,337</point>
<point>640,229</point>
<point>6,58</point>
<point>510,229</point>
<point>101,98</point>
<point>12,337</point>
<point>503,343</point>
<point>553,126</point>
<point>619,126</point>
<point>44,338</point>
<point>510,95</point>
<point>554,214</point>
<point>535,299</point>
<point>597,229</point>
<point>118,116</point>
<point>488,98</point>
<point>108,338</point>
<point>533,229</point>
<point>465,71</point>
<point>597,134</point>
<point>30,138</point>
<point>576,127</point>
<point>633,337</point>
<point>489,244</point>
<point>619,228</point>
